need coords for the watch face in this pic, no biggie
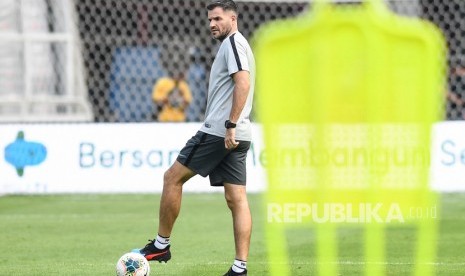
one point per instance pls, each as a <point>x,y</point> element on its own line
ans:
<point>228,124</point>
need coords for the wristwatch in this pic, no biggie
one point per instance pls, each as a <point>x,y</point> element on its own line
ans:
<point>228,124</point>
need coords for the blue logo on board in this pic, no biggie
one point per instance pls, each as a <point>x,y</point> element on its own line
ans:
<point>22,153</point>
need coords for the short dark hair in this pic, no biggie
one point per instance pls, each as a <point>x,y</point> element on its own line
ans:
<point>227,5</point>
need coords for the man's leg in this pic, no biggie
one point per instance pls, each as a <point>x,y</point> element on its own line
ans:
<point>236,199</point>
<point>170,203</point>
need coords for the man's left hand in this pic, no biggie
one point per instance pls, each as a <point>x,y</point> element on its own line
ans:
<point>230,139</point>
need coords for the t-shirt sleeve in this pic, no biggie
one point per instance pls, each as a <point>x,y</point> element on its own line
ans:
<point>237,56</point>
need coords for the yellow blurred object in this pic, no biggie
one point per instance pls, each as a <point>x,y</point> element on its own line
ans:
<point>347,95</point>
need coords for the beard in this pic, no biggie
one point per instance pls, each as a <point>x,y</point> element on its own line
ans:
<point>222,35</point>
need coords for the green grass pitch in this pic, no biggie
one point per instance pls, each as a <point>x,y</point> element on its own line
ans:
<point>86,234</point>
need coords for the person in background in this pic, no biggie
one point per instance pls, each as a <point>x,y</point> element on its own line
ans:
<point>456,93</point>
<point>172,96</point>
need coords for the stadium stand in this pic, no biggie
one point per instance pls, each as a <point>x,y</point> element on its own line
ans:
<point>41,69</point>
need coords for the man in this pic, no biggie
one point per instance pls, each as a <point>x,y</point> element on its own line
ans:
<point>219,148</point>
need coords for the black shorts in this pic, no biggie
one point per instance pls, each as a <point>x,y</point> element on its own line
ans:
<point>205,154</point>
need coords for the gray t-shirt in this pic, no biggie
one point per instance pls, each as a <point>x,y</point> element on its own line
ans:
<point>233,55</point>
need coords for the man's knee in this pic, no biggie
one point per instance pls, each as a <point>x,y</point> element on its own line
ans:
<point>171,177</point>
<point>168,176</point>
<point>177,174</point>
<point>235,198</point>
<point>229,200</point>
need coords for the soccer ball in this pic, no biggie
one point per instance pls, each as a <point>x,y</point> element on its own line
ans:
<point>132,264</point>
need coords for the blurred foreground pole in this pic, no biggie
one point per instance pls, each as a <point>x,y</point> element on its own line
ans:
<point>347,95</point>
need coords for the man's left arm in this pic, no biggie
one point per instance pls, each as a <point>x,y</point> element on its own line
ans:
<point>240,94</point>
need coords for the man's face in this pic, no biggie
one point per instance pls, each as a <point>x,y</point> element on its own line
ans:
<point>221,22</point>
